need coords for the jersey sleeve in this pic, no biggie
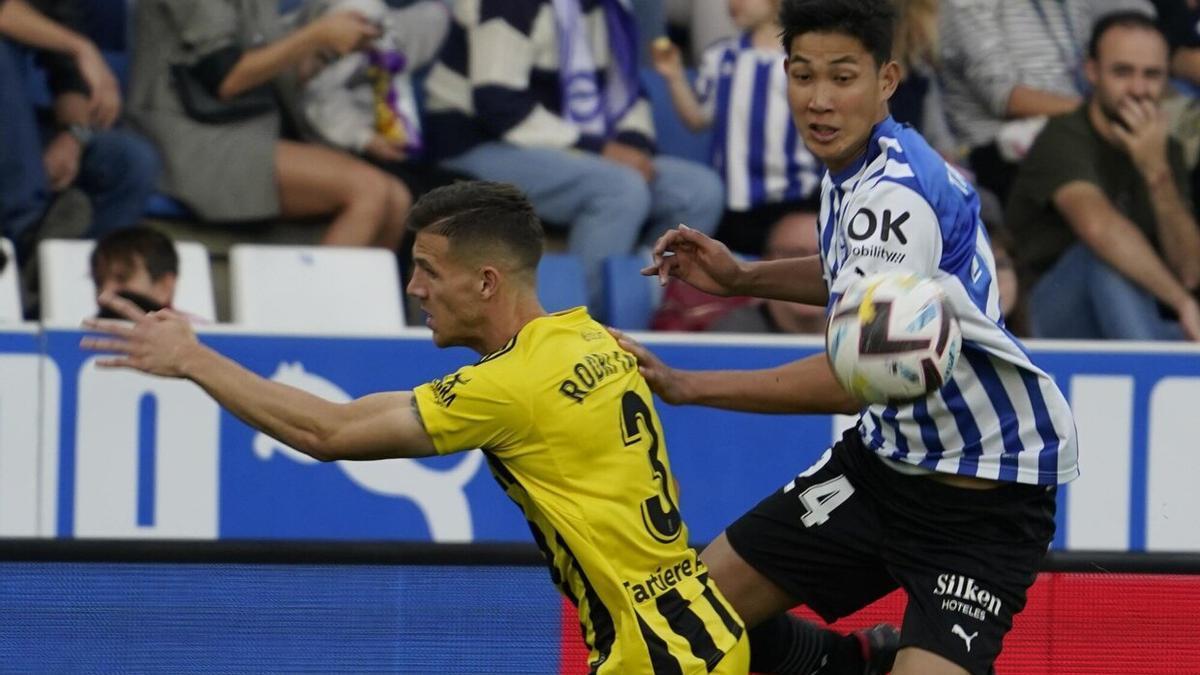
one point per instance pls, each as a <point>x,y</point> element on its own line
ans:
<point>892,228</point>
<point>473,408</point>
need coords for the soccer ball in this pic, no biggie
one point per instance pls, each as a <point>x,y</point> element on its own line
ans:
<point>892,338</point>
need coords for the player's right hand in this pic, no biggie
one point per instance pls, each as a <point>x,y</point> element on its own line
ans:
<point>697,259</point>
<point>156,343</point>
<point>663,380</point>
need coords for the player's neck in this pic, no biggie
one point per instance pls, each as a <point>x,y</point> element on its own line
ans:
<point>860,150</point>
<point>509,316</point>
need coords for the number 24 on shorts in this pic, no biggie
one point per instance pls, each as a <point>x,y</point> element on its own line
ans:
<point>821,499</point>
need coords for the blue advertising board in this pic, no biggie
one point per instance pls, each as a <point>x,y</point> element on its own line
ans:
<point>136,456</point>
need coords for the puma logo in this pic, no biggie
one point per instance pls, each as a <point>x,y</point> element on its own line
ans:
<point>958,630</point>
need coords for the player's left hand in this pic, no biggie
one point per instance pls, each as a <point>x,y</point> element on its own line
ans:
<point>1144,134</point>
<point>157,343</point>
<point>663,380</point>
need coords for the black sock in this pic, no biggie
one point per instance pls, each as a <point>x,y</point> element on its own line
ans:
<point>786,645</point>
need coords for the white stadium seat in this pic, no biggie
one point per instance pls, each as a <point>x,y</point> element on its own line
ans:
<point>68,296</point>
<point>323,289</point>
<point>10,292</point>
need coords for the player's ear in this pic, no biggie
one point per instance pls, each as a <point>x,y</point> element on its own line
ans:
<point>489,281</point>
<point>889,79</point>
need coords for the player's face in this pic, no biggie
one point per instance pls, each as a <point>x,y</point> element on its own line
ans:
<point>836,94</point>
<point>1130,65</point>
<point>448,291</point>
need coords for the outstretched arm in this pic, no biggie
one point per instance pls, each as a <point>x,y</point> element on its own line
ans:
<point>707,264</point>
<point>378,426</point>
<point>804,386</point>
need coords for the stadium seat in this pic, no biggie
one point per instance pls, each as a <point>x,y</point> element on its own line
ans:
<point>672,136</point>
<point>315,288</point>
<point>10,292</point>
<point>68,296</point>
<point>629,297</point>
<point>561,282</point>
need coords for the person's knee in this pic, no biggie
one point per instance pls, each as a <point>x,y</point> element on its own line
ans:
<point>398,204</point>
<point>1106,282</point>
<point>368,188</point>
<point>622,194</point>
<point>142,163</point>
<point>692,194</point>
<point>708,192</point>
<point>121,162</point>
<point>400,198</point>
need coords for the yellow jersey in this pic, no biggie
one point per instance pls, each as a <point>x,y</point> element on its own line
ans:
<point>570,433</point>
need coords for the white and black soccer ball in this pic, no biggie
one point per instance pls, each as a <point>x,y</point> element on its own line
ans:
<point>892,338</point>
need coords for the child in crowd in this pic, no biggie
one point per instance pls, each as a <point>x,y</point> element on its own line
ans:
<point>138,263</point>
<point>741,92</point>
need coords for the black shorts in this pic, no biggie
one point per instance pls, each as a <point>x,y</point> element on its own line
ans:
<point>850,530</point>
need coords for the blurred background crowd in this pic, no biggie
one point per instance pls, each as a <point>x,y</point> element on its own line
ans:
<point>319,122</point>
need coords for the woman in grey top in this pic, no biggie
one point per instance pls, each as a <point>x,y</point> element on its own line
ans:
<point>241,169</point>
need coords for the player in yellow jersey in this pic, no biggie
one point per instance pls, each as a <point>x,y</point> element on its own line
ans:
<point>565,419</point>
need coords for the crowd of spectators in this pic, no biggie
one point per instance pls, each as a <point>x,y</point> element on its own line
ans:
<point>1078,120</point>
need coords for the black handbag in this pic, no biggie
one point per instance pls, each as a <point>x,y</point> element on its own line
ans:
<point>202,106</point>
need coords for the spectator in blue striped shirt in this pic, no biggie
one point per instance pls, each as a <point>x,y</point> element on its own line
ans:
<point>741,91</point>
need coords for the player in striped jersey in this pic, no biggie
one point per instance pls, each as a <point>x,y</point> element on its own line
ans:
<point>565,420</point>
<point>950,497</point>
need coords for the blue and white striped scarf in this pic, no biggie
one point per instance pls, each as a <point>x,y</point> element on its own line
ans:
<point>592,110</point>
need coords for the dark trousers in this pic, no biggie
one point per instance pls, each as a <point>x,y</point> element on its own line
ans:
<point>118,171</point>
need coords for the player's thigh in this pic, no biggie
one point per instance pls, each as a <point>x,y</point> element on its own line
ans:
<point>753,596</point>
<point>817,539</point>
<point>916,661</point>
<point>315,180</point>
<point>966,560</point>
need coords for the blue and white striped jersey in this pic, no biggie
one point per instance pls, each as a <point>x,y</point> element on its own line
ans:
<point>755,144</point>
<point>901,206</point>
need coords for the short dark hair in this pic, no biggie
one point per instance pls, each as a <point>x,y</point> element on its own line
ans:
<point>1122,19</point>
<point>476,215</point>
<point>123,248</point>
<point>871,22</point>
